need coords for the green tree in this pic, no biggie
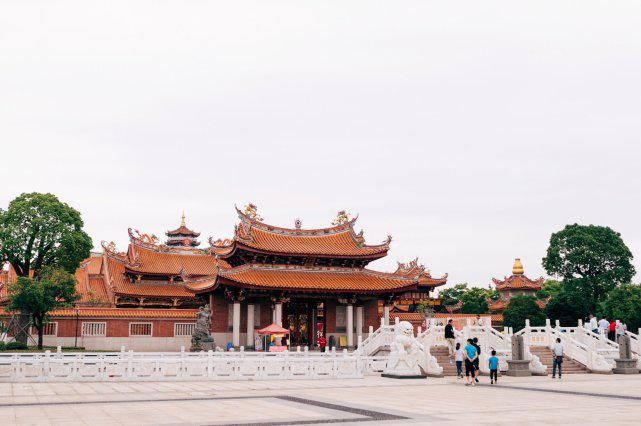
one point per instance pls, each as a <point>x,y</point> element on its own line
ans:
<point>474,301</point>
<point>451,296</point>
<point>39,231</point>
<point>592,258</point>
<point>567,306</point>
<point>550,288</point>
<point>624,304</point>
<point>519,309</point>
<point>52,289</point>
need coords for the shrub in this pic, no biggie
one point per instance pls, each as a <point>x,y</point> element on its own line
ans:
<point>15,346</point>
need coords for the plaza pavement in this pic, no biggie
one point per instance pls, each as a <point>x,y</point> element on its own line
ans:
<point>584,399</point>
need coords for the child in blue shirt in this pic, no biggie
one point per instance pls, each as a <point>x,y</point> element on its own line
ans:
<point>493,361</point>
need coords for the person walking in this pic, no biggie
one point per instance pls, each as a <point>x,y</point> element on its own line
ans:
<point>479,321</point>
<point>557,352</point>
<point>620,330</point>
<point>475,343</point>
<point>471,355</point>
<point>450,338</point>
<point>322,342</point>
<point>460,356</point>
<point>493,363</point>
<point>594,325</point>
<point>612,327</point>
<point>604,325</point>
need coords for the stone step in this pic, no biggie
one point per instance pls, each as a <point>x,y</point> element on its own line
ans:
<point>569,366</point>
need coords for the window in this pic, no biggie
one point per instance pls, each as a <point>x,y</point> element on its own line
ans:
<point>94,329</point>
<point>140,329</point>
<point>184,329</point>
<point>48,329</point>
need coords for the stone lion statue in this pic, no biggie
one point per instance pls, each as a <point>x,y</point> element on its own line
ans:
<point>407,354</point>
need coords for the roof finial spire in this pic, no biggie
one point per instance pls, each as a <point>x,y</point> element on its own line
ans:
<point>182,221</point>
<point>517,269</point>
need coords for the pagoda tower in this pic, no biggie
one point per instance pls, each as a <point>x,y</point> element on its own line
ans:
<point>182,236</point>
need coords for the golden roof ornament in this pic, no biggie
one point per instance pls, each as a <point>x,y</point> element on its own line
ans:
<point>182,221</point>
<point>251,211</point>
<point>517,269</point>
<point>342,217</point>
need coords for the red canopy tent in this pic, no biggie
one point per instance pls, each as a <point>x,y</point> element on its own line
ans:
<point>273,329</point>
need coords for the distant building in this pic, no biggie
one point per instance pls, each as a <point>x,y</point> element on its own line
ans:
<point>515,284</point>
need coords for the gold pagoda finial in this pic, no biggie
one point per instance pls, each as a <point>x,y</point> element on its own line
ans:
<point>182,221</point>
<point>517,269</point>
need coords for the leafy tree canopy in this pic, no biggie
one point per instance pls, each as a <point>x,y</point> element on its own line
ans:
<point>451,296</point>
<point>624,304</point>
<point>568,306</point>
<point>594,258</point>
<point>550,288</point>
<point>519,309</point>
<point>52,289</point>
<point>38,231</point>
<point>474,301</point>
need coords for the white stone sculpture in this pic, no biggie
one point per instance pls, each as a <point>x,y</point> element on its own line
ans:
<point>407,353</point>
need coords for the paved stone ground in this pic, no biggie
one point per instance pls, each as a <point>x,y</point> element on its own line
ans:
<point>586,399</point>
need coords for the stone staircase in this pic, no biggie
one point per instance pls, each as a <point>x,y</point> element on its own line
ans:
<point>441,354</point>
<point>569,366</point>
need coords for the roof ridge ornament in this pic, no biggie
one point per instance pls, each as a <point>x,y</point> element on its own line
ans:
<point>517,269</point>
<point>342,218</point>
<point>251,211</point>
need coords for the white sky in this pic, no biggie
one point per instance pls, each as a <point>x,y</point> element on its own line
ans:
<point>468,130</point>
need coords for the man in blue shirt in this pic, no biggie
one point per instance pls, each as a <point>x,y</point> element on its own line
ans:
<point>494,368</point>
<point>471,354</point>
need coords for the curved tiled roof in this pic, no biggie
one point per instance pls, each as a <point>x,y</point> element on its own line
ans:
<point>182,230</point>
<point>149,261</point>
<point>316,279</point>
<point>122,286</point>
<point>518,282</point>
<point>339,240</point>
<point>121,313</point>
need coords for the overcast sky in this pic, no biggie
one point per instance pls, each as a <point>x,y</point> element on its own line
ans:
<point>470,131</point>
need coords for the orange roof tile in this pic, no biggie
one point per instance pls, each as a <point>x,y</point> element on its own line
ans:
<point>518,282</point>
<point>148,261</point>
<point>340,240</point>
<point>121,313</point>
<point>316,279</point>
<point>182,230</point>
<point>122,286</point>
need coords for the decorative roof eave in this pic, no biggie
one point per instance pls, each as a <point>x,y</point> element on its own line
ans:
<point>155,296</point>
<point>230,282</point>
<point>507,283</point>
<point>149,241</point>
<point>374,255</point>
<point>182,230</point>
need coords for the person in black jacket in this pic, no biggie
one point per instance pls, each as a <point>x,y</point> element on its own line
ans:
<point>450,338</point>
<point>475,343</point>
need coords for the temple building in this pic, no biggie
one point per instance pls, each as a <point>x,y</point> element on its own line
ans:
<point>515,284</point>
<point>311,281</point>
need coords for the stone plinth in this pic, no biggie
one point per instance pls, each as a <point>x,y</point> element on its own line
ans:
<point>625,366</point>
<point>518,368</point>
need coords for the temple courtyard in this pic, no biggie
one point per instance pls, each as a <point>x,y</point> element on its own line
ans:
<point>581,398</point>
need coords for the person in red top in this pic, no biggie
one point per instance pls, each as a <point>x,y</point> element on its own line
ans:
<point>322,342</point>
<point>612,330</point>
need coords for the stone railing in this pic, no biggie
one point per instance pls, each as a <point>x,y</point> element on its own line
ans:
<point>153,366</point>
<point>582,353</point>
<point>377,339</point>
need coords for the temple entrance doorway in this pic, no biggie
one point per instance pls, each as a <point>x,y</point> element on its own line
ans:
<point>302,320</point>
